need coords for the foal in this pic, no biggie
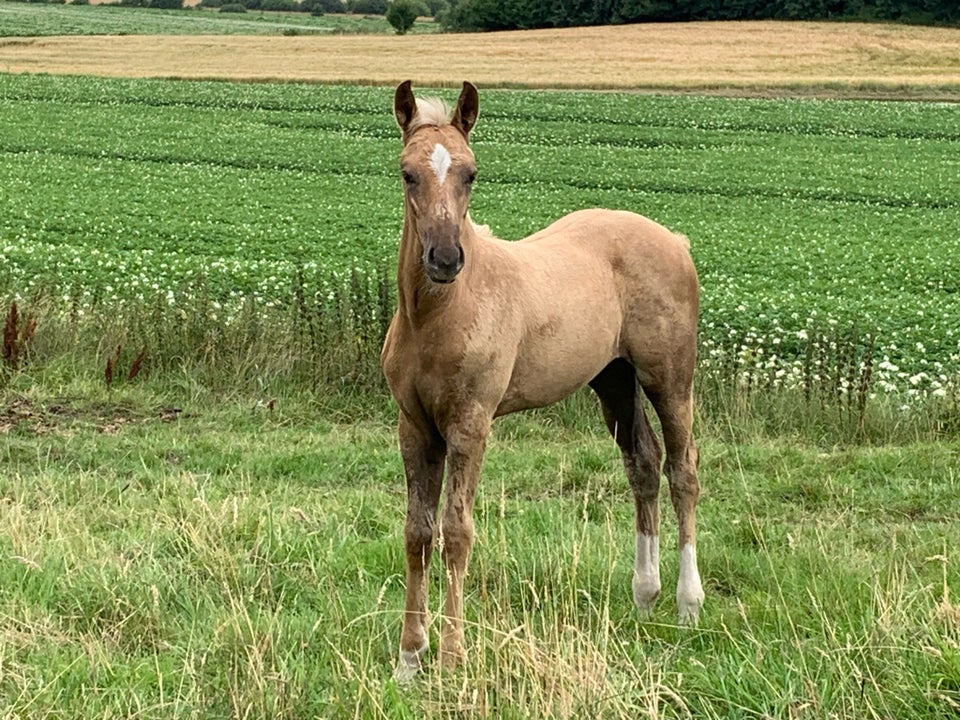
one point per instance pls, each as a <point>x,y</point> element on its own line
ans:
<point>486,327</point>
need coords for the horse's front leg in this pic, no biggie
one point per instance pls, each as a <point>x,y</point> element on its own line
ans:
<point>466,442</point>
<point>423,452</point>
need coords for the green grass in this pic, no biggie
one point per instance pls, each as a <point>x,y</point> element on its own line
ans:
<point>169,556</point>
<point>20,19</point>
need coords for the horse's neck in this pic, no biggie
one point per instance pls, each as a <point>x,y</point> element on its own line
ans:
<point>417,296</point>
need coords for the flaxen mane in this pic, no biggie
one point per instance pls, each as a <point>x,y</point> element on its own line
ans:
<point>430,111</point>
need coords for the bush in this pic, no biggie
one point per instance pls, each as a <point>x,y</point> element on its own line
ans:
<point>233,8</point>
<point>165,4</point>
<point>402,14</point>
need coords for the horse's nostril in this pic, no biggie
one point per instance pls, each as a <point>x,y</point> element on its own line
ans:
<point>445,256</point>
<point>443,262</point>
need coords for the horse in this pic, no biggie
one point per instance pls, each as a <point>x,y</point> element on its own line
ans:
<point>486,327</point>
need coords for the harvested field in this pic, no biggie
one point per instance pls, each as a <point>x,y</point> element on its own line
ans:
<point>738,57</point>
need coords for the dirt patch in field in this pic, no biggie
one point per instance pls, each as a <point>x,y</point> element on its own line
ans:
<point>740,57</point>
<point>21,415</point>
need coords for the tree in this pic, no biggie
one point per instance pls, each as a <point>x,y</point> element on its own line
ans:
<point>403,13</point>
<point>368,7</point>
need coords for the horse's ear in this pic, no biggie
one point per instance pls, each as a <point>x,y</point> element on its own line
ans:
<point>404,106</point>
<point>468,106</point>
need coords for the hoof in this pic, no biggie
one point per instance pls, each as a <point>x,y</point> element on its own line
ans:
<point>410,664</point>
<point>689,588</point>
<point>646,573</point>
<point>646,591</point>
<point>688,608</point>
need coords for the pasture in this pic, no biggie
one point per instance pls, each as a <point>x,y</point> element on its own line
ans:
<point>220,535</point>
<point>233,561</point>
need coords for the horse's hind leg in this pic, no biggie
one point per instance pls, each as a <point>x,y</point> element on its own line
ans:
<point>675,410</point>
<point>617,388</point>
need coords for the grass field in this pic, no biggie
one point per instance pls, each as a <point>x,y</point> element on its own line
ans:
<point>220,535</point>
<point>239,561</point>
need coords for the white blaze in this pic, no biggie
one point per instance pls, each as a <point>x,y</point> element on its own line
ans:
<point>440,162</point>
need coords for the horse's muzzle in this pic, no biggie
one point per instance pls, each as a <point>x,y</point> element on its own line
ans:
<point>443,263</point>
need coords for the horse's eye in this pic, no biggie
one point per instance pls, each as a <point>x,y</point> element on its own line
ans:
<point>471,177</point>
<point>408,178</point>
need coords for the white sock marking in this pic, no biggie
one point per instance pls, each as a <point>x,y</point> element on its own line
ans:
<point>410,661</point>
<point>646,572</point>
<point>689,589</point>
<point>440,162</point>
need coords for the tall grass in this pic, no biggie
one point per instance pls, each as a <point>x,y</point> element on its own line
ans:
<point>194,569</point>
<point>328,347</point>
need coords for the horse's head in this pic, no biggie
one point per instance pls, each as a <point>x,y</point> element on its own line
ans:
<point>438,170</point>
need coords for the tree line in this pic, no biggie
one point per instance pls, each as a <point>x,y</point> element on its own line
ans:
<point>472,15</point>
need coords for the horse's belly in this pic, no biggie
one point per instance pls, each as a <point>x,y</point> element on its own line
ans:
<point>545,373</point>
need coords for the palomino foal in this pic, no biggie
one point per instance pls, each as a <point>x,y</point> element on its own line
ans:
<point>486,327</point>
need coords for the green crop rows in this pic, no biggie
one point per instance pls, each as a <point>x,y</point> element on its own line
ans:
<point>826,219</point>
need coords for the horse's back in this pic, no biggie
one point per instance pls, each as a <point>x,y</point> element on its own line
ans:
<point>643,256</point>
<point>592,224</point>
<point>625,239</point>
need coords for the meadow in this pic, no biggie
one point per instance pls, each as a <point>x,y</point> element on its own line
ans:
<point>232,561</point>
<point>218,535</point>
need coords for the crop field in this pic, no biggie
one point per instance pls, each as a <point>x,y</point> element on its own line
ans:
<point>19,19</point>
<point>780,58</point>
<point>812,222</point>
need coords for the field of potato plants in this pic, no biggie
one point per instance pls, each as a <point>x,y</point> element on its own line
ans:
<point>825,232</point>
